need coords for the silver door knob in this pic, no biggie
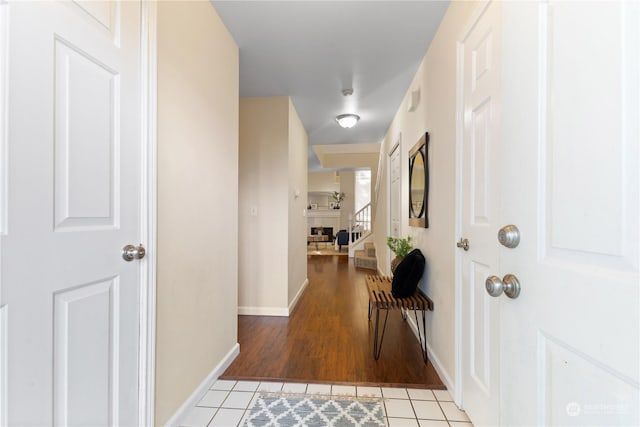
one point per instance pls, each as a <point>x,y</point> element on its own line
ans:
<point>509,284</point>
<point>130,252</point>
<point>463,243</point>
<point>509,236</point>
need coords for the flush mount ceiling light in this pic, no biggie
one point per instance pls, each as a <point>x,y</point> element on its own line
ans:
<point>347,120</point>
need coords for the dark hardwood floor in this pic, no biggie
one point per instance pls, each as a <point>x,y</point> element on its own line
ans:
<point>328,337</point>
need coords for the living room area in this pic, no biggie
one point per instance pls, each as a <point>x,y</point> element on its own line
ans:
<point>338,206</point>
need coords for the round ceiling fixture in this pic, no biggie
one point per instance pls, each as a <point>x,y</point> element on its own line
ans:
<point>347,120</point>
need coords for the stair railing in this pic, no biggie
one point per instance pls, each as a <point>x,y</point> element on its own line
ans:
<point>361,223</point>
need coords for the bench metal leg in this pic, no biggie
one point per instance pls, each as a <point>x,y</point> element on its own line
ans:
<point>377,342</point>
<point>423,347</point>
<point>369,311</point>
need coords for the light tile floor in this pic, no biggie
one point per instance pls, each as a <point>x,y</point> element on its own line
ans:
<point>227,403</point>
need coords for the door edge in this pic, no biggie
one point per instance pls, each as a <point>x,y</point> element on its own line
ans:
<point>4,110</point>
<point>148,219</point>
<point>475,16</point>
<point>394,147</point>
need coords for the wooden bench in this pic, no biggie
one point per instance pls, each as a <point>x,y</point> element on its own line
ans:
<point>380,298</point>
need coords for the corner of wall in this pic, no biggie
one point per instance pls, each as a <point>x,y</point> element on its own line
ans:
<point>204,386</point>
<point>297,203</point>
<point>296,298</point>
<point>435,360</point>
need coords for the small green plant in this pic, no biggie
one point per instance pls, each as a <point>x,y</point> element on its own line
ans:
<point>399,245</point>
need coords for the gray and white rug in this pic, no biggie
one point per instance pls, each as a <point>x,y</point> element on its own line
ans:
<point>288,410</point>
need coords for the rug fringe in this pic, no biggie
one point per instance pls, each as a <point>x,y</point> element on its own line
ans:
<point>321,396</point>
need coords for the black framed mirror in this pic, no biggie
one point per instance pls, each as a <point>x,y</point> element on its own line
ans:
<point>419,183</point>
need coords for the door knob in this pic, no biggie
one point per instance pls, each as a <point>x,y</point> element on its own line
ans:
<point>463,243</point>
<point>509,236</point>
<point>509,284</point>
<point>130,252</point>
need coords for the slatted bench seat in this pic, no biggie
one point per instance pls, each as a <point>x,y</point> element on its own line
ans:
<point>380,298</point>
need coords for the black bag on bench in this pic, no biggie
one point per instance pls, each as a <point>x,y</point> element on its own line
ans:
<point>408,274</point>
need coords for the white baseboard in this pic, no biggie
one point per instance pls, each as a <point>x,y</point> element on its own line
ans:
<point>263,311</point>
<point>295,299</point>
<point>4,386</point>
<point>433,357</point>
<point>201,390</point>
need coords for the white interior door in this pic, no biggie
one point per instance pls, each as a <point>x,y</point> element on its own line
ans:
<point>479,85</point>
<point>395,177</point>
<point>70,303</point>
<point>570,183</point>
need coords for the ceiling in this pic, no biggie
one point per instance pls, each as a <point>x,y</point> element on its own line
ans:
<point>312,50</point>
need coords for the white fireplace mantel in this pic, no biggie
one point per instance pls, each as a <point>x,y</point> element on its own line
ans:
<point>323,218</point>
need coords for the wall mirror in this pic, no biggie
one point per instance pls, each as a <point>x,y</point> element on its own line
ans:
<point>419,183</point>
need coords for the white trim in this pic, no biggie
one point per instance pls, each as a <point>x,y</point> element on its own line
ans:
<point>147,344</point>
<point>396,146</point>
<point>263,311</point>
<point>481,7</point>
<point>4,377</point>
<point>295,299</point>
<point>433,358</point>
<point>457,330</point>
<point>201,390</point>
<point>4,111</point>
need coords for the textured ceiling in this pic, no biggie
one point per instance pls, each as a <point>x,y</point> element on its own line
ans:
<point>311,50</point>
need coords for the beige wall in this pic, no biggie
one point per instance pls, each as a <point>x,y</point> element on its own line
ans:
<point>271,167</point>
<point>297,231</point>
<point>263,270</point>
<point>348,186</point>
<point>197,199</point>
<point>436,113</point>
<point>323,181</point>
<point>348,161</point>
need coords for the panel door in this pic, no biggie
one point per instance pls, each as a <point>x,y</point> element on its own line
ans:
<point>570,183</point>
<point>70,303</point>
<point>480,84</point>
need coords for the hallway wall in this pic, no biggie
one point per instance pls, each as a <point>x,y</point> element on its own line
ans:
<point>436,114</point>
<point>323,181</point>
<point>263,183</point>
<point>197,199</point>
<point>348,186</point>
<point>272,233</point>
<point>297,201</point>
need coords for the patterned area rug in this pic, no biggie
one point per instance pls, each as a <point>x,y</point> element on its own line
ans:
<point>287,410</point>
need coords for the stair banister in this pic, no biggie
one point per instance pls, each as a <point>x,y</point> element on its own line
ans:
<point>362,220</point>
